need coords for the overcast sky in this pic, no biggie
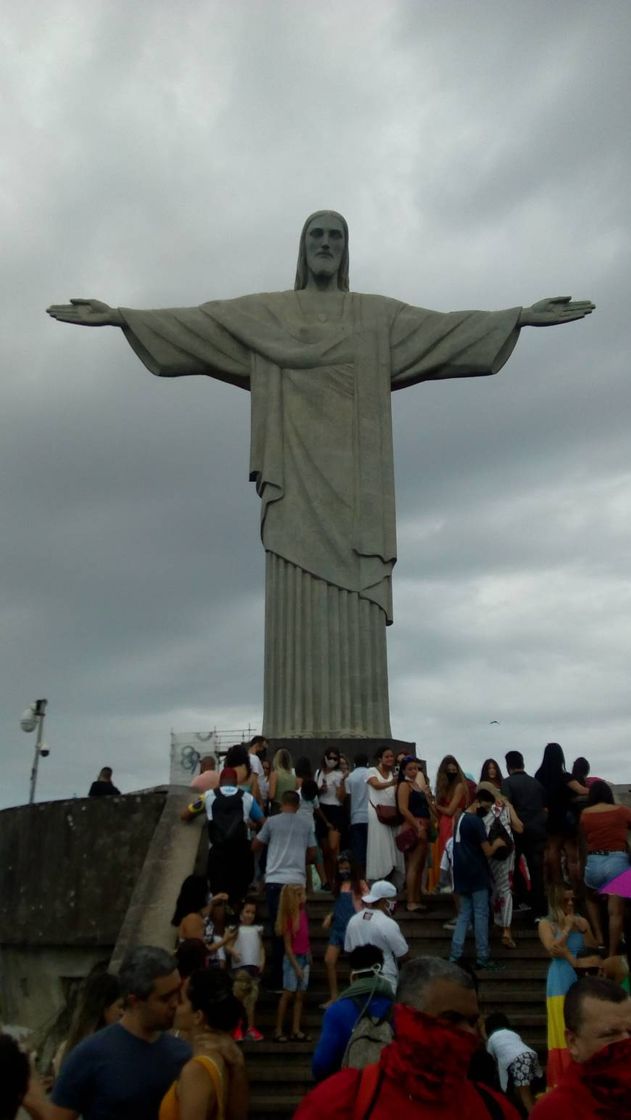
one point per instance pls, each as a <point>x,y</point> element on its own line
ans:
<point>162,154</point>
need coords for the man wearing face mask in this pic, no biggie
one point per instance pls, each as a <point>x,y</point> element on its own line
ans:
<point>472,879</point>
<point>422,1074</point>
<point>597,1016</point>
<point>369,993</point>
<point>375,926</point>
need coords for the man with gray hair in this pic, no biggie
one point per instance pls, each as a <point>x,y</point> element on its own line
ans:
<point>423,1073</point>
<point>123,1071</point>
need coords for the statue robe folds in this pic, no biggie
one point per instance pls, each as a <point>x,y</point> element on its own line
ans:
<point>322,460</point>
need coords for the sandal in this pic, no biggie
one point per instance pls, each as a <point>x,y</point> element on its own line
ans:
<point>280,1038</point>
<point>508,942</point>
<point>300,1036</point>
<point>415,908</point>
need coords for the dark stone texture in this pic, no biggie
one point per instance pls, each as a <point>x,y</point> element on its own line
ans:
<point>68,868</point>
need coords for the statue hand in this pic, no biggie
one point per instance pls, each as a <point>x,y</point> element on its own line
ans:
<point>86,313</point>
<point>551,312</point>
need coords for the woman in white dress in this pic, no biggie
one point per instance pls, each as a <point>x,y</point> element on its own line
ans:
<point>383,856</point>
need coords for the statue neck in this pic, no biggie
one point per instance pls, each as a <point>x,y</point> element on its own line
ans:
<point>321,283</point>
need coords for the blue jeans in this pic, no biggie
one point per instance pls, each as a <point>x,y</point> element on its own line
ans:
<point>473,907</point>
<point>601,869</point>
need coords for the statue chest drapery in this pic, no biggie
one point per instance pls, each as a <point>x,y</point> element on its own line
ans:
<point>321,437</point>
<point>322,455</point>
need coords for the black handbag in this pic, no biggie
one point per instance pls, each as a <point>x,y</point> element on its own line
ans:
<point>497,831</point>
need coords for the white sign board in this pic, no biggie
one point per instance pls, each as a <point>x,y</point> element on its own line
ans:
<point>187,750</point>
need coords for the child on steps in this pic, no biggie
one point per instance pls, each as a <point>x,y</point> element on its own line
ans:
<point>293,926</point>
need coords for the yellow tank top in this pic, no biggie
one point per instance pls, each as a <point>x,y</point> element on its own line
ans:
<point>170,1107</point>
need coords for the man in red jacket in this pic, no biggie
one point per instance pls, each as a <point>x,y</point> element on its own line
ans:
<point>423,1072</point>
<point>598,1032</point>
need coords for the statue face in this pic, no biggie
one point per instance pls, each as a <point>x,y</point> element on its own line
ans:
<point>324,245</point>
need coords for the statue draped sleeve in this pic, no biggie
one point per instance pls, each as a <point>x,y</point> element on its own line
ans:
<point>174,342</point>
<point>430,345</point>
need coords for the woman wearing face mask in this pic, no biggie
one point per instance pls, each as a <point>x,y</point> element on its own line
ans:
<point>331,793</point>
<point>451,798</point>
<point>348,889</point>
<point>382,857</point>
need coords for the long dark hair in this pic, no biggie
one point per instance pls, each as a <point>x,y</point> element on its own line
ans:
<point>100,991</point>
<point>192,898</point>
<point>600,793</point>
<point>484,772</point>
<point>301,269</point>
<point>322,769</point>
<point>552,770</point>
<point>210,991</point>
<point>442,785</point>
<point>238,755</point>
<point>303,768</point>
<point>356,874</point>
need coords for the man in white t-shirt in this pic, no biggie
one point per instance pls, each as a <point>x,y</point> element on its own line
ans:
<point>256,749</point>
<point>375,926</point>
<point>357,790</point>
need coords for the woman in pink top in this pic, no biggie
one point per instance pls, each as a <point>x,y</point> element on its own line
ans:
<point>292,925</point>
<point>605,828</point>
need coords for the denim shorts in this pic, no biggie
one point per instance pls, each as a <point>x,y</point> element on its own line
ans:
<point>291,983</point>
<point>602,869</point>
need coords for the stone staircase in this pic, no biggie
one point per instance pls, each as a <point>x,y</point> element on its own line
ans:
<point>280,1074</point>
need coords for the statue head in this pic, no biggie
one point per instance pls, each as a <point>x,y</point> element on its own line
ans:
<point>319,220</point>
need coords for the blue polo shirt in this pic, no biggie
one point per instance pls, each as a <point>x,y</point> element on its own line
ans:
<point>471,867</point>
<point>112,1075</point>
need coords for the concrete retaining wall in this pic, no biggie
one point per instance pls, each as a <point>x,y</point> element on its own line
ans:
<point>81,882</point>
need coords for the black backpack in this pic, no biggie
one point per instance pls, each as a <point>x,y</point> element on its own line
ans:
<point>227,825</point>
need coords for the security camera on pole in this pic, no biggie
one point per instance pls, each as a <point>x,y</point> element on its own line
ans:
<point>33,717</point>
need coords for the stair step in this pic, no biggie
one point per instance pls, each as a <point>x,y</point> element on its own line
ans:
<point>269,1104</point>
<point>280,1073</point>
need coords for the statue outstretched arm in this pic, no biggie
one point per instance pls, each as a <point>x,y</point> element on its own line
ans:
<point>171,342</point>
<point>552,312</point>
<point>86,313</point>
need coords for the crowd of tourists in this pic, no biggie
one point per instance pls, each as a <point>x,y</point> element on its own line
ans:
<point>162,1039</point>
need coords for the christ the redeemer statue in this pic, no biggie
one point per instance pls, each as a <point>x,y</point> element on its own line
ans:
<point>320,363</point>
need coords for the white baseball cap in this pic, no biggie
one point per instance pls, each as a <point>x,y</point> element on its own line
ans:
<point>381,889</point>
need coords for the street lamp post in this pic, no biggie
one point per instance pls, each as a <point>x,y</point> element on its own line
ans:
<point>33,718</point>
